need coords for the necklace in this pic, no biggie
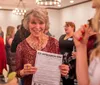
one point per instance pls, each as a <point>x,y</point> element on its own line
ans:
<point>38,44</point>
<point>66,37</point>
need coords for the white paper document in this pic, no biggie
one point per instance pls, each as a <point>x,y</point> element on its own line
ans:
<point>48,72</point>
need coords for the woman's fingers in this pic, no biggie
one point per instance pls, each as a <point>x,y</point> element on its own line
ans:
<point>82,32</point>
<point>29,69</point>
<point>64,69</point>
<point>27,66</point>
<point>64,73</point>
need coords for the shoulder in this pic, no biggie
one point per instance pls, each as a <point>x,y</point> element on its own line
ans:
<point>52,39</point>
<point>22,44</point>
<point>94,69</point>
<point>63,35</point>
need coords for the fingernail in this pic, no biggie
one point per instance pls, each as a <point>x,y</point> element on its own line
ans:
<point>85,25</point>
<point>82,32</point>
<point>80,38</point>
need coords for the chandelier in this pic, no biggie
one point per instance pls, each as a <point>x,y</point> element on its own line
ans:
<point>20,10</point>
<point>48,2</point>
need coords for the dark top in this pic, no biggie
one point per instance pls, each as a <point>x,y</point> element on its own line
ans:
<point>10,56</point>
<point>26,54</point>
<point>20,35</point>
<point>66,48</point>
<point>66,45</point>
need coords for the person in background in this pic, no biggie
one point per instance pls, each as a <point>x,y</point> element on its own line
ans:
<point>36,21</point>
<point>66,45</point>
<point>20,35</point>
<point>1,33</point>
<point>92,39</point>
<point>18,27</point>
<point>2,56</point>
<point>10,56</point>
<point>91,75</point>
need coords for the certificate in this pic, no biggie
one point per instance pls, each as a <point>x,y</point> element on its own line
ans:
<point>48,72</point>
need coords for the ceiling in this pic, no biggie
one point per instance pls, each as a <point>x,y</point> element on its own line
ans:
<point>11,4</point>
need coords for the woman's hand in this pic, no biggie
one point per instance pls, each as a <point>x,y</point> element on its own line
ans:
<point>64,69</point>
<point>81,36</point>
<point>73,55</point>
<point>28,69</point>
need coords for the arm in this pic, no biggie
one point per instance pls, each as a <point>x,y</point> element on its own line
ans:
<point>10,41</point>
<point>23,68</point>
<point>81,55</point>
<point>82,66</point>
<point>19,56</point>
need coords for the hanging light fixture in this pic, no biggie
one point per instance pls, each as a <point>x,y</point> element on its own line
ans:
<point>20,10</point>
<point>48,2</point>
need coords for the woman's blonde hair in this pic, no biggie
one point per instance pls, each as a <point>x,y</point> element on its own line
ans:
<point>96,27</point>
<point>96,19</point>
<point>10,31</point>
<point>39,13</point>
<point>95,53</point>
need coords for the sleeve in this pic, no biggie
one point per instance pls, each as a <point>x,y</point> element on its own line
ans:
<point>61,37</point>
<point>57,47</point>
<point>94,71</point>
<point>2,55</point>
<point>19,62</point>
<point>15,41</point>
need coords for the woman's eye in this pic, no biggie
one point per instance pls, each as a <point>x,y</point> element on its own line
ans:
<point>33,22</point>
<point>41,23</point>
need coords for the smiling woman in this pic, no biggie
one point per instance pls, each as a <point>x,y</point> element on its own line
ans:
<point>36,21</point>
<point>66,45</point>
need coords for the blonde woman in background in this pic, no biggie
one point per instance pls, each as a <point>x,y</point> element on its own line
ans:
<point>10,56</point>
<point>91,75</point>
<point>1,33</point>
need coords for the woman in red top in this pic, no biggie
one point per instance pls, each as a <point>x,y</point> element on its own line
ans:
<point>36,21</point>
<point>2,55</point>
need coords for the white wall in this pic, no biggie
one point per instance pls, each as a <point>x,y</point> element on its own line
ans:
<point>54,17</point>
<point>79,14</point>
<point>8,19</point>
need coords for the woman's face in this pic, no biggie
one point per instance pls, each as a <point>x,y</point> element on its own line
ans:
<point>69,29</point>
<point>95,3</point>
<point>36,26</point>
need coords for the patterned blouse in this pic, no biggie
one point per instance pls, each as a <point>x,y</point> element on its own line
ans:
<point>26,54</point>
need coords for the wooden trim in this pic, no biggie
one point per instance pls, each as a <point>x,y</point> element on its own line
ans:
<point>57,8</point>
<point>75,4</point>
<point>6,9</point>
